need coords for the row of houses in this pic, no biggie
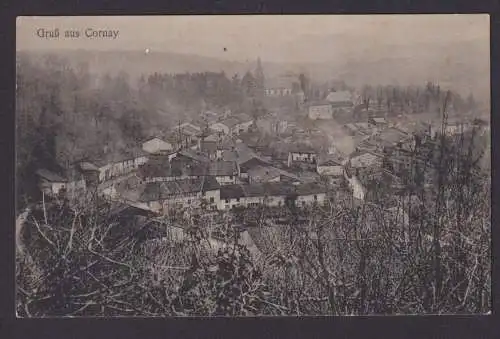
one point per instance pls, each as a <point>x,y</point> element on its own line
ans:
<point>207,193</point>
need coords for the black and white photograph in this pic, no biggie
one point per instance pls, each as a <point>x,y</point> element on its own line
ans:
<point>252,165</point>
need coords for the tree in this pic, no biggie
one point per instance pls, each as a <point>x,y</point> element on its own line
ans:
<point>260,79</point>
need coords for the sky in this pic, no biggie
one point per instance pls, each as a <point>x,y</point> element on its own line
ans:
<point>277,38</point>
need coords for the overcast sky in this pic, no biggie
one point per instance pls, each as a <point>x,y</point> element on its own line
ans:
<point>303,38</point>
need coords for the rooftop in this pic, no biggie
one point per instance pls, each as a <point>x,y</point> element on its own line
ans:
<point>161,190</point>
<point>329,160</point>
<point>269,189</point>
<point>264,173</point>
<point>194,155</point>
<point>105,158</point>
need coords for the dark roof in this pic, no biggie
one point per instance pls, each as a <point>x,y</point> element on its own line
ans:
<point>329,160</point>
<point>310,188</point>
<point>194,156</point>
<point>231,192</point>
<point>155,170</point>
<point>391,136</point>
<point>210,184</point>
<point>301,148</point>
<point>214,168</point>
<point>252,162</point>
<point>264,173</point>
<point>222,168</point>
<point>50,176</point>
<point>119,156</point>
<point>160,190</point>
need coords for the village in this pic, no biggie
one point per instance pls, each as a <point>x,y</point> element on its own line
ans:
<point>224,160</point>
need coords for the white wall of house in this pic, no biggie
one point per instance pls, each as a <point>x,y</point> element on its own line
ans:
<point>254,180</point>
<point>156,145</point>
<point>278,92</point>
<point>330,170</point>
<point>57,186</point>
<point>301,157</point>
<point>191,200</point>
<point>226,179</point>
<point>320,112</point>
<point>213,198</point>
<point>140,161</point>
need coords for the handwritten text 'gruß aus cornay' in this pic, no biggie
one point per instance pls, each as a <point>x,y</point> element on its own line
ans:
<point>87,33</point>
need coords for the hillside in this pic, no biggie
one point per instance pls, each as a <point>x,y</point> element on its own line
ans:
<point>452,65</point>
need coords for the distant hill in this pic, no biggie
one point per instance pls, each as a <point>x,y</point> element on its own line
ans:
<point>461,66</point>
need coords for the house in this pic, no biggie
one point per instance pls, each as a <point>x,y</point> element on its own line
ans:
<point>272,194</point>
<point>301,153</point>
<point>53,184</point>
<point>244,157</point>
<point>309,194</point>
<point>112,165</point>
<point>282,86</point>
<point>453,127</point>
<point>379,182</point>
<point>154,171</point>
<point>261,174</point>
<point>362,159</point>
<point>156,145</point>
<point>225,172</point>
<point>320,110</point>
<point>177,195</point>
<point>330,166</point>
<point>340,100</point>
<point>233,125</point>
